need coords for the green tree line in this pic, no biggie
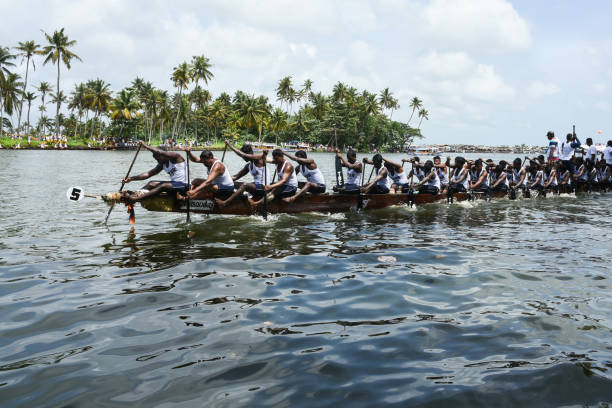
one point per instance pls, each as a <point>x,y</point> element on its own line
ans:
<point>346,116</point>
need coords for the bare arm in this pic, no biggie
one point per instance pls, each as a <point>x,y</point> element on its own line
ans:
<point>500,180</point>
<point>242,154</point>
<point>367,161</point>
<point>299,159</point>
<point>287,172</point>
<point>482,178</point>
<point>553,175</point>
<point>243,172</point>
<point>397,166</point>
<point>192,156</point>
<point>381,174</point>
<point>536,181</point>
<point>214,173</point>
<point>426,178</point>
<point>172,156</point>
<point>345,163</point>
<point>143,176</point>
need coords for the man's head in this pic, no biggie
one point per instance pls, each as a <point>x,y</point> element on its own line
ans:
<point>550,134</point>
<point>277,156</point>
<point>246,149</point>
<point>207,158</point>
<point>517,163</point>
<point>478,165</point>
<point>459,163</point>
<point>428,166</point>
<point>351,156</point>
<point>569,137</point>
<point>589,141</point>
<point>610,143</point>
<point>437,160</point>
<point>377,160</point>
<point>301,154</point>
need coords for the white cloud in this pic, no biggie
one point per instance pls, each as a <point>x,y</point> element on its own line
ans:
<point>539,89</point>
<point>487,25</point>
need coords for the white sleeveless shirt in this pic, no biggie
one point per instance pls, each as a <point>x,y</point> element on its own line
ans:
<point>434,181</point>
<point>457,175</point>
<point>292,182</point>
<point>493,178</point>
<point>258,174</point>
<point>224,181</point>
<point>314,176</point>
<point>567,151</point>
<point>352,177</point>
<point>383,182</point>
<point>475,177</point>
<point>176,171</point>
<point>442,175</point>
<point>398,178</point>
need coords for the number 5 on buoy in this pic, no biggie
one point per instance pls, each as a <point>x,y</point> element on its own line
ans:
<point>75,194</point>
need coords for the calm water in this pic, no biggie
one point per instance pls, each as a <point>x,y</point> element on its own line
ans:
<point>493,304</point>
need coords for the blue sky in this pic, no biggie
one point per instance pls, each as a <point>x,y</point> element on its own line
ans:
<point>489,71</point>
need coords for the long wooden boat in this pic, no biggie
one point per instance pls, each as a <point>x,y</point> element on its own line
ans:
<point>322,203</point>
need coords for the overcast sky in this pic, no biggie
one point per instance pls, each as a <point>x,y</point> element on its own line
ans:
<point>488,71</point>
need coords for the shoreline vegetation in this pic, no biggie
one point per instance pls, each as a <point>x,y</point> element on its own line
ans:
<point>91,115</point>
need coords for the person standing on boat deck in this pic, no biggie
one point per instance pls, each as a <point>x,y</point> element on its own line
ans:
<point>567,150</point>
<point>591,153</point>
<point>218,180</point>
<point>170,162</point>
<point>552,153</point>
<point>380,184</point>
<point>431,182</point>
<point>353,173</point>
<point>315,183</point>
<point>255,165</point>
<point>396,173</point>
<point>607,154</point>
<point>479,177</point>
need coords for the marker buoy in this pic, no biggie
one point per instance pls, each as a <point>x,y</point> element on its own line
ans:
<point>75,194</point>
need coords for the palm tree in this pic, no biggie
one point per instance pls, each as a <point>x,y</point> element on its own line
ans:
<point>58,98</point>
<point>415,104</point>
<point>5,63</point>
<point>78,102</point>
<point>320,105</point>
<point>58,50</point>
<point>26,50</point>
<point>423,114</point>
<point>282,90</point>
<point>387,101</point>
<point>124,107</point>
<point>44,88</point>
<point>10,90</point>
<point>180,79</point>
<point>200,69</point>
<point>100,98</point>
<point>339,92</point>
<point>29,97</point>
<point>278,122</point>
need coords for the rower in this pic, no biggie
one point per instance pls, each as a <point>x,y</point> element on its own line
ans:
<point>315,183</point>
<point>416,170</point>
<point>498,178</point>
<point>567,151</point>
<point>458,182</point>
<point>550,177</point>
<point>353,173</point>
<point>380,184</point>
<point>607,154</point>
<point>565,178</point>
<point>442,171</point>
<point>603,173</point>
<point>552,153</point>
<point>478,176</point>
<point>397,174</point>
<point>519,176</point>
<point>580,176</point>
<point>431,182</point>
<point>536,181</point>
<point>591,153</point>
<point>591,171</point>
<point>218,180</point>
<point>172,163</point>
<point>286,182</point>
<point>255,166</point>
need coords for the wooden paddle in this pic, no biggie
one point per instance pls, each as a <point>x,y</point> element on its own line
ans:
<point>123,181</point>
<point>265,174</point>
<point>224,150</point>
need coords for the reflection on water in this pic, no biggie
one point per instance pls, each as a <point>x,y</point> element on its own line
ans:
<point>501,303</point>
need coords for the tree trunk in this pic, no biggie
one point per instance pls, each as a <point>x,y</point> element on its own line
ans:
<point>29,105</point>
<point>178,111</point>
<point>23,94</point>
<point>92,125</point>
<point>1,115</point>
<point>57,90</point>
<point>41,114</point>
<point>410,118</point>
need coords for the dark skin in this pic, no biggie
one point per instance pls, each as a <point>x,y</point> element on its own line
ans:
<point>398,169</point>
<point>154,187</point>
<point>258,160</point>
<point>552,176</point>
<point>311,165</point>
<point>482,177</point>
<point>500,180</point>
<point>522,173</point>
<point>199,185</point>
<point>349,163</point>
<point>284,178</point>
<point>538,177</point>
<point>382,173</point>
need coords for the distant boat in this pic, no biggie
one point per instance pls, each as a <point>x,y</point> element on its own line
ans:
<point>259,147</point>
<point>295,146</point>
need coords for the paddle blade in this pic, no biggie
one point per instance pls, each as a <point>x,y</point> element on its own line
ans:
<point>130,210</point>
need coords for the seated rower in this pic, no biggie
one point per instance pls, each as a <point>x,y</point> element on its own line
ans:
<point>591,172</point>
<point>519,176</point>
<point>479,177</point>
<point>172,163</point>
<point>218,180</point>
<point>536,180</point>
<point>353,173</point>
<point>256,166</point>
<point>580,175</point>
<point>565,178</point>
<point>442,170</point>
<point>380,184</point>
<point>286,182</point>
<point>431,182</point>
<point>315,183</point>
<point>550,177</point>
<point>396,173</point>
<point>416,171</point>
<point>603,173</point>
<point>458,182</point>
<point>498,178</point>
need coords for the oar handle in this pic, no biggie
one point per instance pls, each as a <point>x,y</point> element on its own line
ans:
<point>130,169</point>
<point>188,186</point>
<point>224,150</point>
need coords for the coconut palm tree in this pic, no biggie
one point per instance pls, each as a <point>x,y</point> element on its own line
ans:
<point>58,51</point>
<point>387,101</point>
<point>339,92</point>
<point>26,50</point>
<point>10,89</point>
<point>124,107</point>
<point>282,90</point>
<point>320,105</point>
<point>5,62</point>
<point>100,97</point>
<point>29,97</point>
<point>278,122</point>
<point>44,88</point>
<point>415,104</point>
<point>423,114</point>
<point>78,102</point>
<point>180,78</point>
<point>200,69</point>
